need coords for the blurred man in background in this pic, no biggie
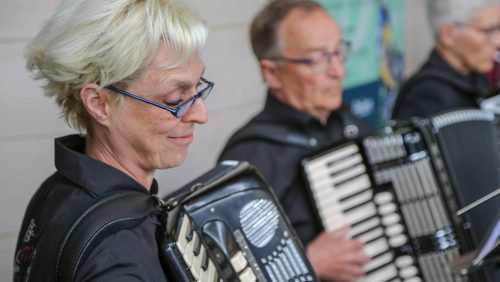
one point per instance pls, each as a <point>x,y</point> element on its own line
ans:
<point>300,50</point>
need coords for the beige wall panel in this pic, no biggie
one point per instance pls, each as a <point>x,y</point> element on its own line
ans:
<point>25,110</point>
<point>419,39</point>
<point>224,12</point>
<point>22,18</point>
<point>7,246</point>
<point>230,63</point>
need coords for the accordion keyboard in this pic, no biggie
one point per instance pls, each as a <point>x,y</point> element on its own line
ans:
<point>232,231</point>
<point>344,195</point>
<point>195,256</point>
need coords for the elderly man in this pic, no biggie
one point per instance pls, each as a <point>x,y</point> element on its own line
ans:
<point>128,75</point>
<point>467,34</point>
<point>300,51</point>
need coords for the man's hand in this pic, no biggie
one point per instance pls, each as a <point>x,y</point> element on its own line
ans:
<point>335,257</point>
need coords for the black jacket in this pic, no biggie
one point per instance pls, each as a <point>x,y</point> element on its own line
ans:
<point>128,255</point>
<point>438,87</point>
<point>280,164</point>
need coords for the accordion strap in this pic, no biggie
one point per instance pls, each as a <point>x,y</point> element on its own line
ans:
<point>106,217</point>
<point>278,133</point>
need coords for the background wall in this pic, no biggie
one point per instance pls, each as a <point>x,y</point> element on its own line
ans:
<point>29,121</point>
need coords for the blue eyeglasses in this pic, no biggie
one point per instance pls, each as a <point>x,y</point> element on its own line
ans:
<point>320,61</point>
<point>203,88</point>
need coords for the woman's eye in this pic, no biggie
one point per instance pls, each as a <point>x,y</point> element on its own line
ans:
<point>173,103</point>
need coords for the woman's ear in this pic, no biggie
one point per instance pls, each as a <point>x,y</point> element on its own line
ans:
<point>97,103</point>
<point>447,35</point>
<point>270,73</point>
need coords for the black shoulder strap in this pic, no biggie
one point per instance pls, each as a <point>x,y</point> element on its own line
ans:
<point>283,134</point>
<point>109,215</point>
<point>278,133</point>
<point>422,76</point>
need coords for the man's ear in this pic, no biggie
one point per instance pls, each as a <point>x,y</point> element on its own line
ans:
<point>446,35</point>
<point>270,73</point>
<point>97,103</point>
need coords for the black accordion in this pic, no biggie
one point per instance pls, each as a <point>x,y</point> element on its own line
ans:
<point>227,226</point>
<point>400,189</point>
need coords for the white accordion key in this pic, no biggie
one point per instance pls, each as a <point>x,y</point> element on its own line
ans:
<point>183,233</point>
<point>361,213</point>
<point>378,261</point>
<point>362,227</point>
<point>382,274</point>
<point>247,275</point>
<point>189,254</point>
<point>376,247</point>
<point>239,261</point>
<point>371,235</point>
<point>210,275</point>
<point>196,269</point>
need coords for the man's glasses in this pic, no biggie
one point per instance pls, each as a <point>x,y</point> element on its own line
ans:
<point>203,88</point>
<point>320,61</point>
<point>489,32</point>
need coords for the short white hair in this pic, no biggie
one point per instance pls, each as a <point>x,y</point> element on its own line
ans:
<point>453,11</point>
<point>108,42</point>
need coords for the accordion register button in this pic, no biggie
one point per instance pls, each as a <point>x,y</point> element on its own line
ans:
<point>238,261</point>
<point>408,272</point>
<point>390,219</point>
<point>383,197</point>
<point>247,275</point>
<point>398,241</point>
<point>404,261</point>
<point>394,230</point>
<point>387,208</point>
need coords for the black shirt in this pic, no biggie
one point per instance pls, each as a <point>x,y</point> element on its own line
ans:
<point>438,87</point>
<point>280,164</point>
<point>128,255</point>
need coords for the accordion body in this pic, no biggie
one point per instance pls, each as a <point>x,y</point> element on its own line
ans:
<point>400,189</point>
<point>227,226</point>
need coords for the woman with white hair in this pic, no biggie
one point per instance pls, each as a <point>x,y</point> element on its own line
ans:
<point>126,74</point>
<point>467,37</point>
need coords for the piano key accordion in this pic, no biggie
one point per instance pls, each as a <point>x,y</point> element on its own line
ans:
<point>227,226</point>
<point>400,189</point>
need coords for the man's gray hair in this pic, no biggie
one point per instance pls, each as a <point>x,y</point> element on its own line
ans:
<point>453,11</point>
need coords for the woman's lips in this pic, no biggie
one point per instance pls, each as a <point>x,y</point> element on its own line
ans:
<point>184,139</point>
